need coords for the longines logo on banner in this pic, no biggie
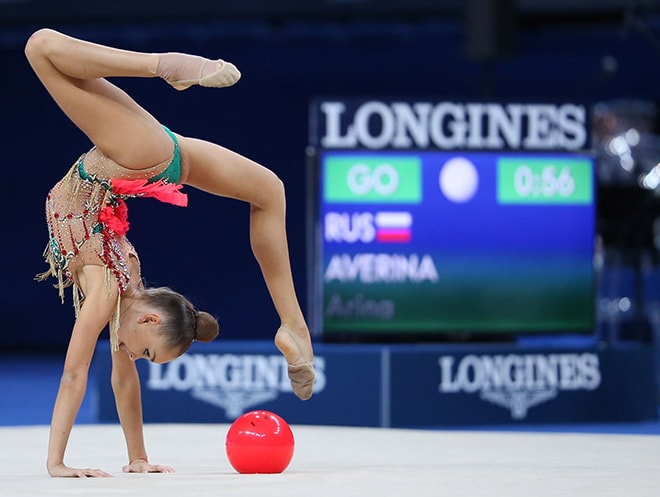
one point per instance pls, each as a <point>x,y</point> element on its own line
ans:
<point>519,381</point>
<point>376,124</point>
<point>233,382</point>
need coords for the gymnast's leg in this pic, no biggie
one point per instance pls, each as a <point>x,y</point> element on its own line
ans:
<point>220,171</point>
<point>74,72</point>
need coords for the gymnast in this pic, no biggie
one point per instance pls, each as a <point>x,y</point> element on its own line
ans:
<point>133,155</point>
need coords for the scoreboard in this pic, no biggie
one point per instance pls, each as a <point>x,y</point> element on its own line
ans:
<point>430,242</point>
<point>430,218</point>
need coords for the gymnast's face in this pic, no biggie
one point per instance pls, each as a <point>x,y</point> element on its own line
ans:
<point>140,338</point>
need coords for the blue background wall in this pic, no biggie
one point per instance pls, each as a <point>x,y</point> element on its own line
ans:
<point>203,251</point>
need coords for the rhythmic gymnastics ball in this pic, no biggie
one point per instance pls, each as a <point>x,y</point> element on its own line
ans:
<point>259,442</point>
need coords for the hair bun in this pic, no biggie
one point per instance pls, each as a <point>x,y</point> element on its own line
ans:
<point>207,327</point>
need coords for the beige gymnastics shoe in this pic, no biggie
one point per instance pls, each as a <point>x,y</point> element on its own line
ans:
<point>301,372</point>
<point>227,74</point>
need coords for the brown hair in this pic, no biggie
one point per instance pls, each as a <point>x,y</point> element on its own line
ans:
<point>182,323</point>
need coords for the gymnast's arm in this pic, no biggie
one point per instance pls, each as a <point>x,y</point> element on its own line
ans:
<point>95,313</point>
<point>126,388</point>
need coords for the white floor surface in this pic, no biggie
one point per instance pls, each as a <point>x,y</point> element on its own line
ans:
<point>345,462</point>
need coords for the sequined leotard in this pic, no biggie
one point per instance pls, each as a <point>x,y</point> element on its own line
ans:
<point>87,218</point>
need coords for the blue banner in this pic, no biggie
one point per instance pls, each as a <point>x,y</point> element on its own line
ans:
<point>397,385</point>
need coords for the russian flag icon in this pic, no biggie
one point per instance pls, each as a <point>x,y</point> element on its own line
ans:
<point>393,227</point>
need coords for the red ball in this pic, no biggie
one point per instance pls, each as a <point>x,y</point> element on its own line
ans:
<point>259,442</point>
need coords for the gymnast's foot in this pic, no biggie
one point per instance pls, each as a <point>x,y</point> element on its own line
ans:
<point>183,71</point>
<point>300,365</point>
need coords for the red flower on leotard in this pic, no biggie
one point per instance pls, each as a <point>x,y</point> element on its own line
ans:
<point>165,192</point>
<point>115,217</point>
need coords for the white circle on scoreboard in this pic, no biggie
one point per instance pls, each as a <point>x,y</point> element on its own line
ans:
<point>459,180</point>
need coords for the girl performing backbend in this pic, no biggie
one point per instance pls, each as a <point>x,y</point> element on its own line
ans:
<point>134,156</point>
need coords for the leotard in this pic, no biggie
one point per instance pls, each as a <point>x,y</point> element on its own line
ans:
<point>87,216</point>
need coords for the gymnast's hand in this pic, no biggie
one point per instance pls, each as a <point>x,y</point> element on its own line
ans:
<point>143,466</point>
<point>62,471</point>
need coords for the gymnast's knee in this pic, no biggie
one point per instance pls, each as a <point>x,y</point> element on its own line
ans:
<point>41,43</point>
<point>276,189</point>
